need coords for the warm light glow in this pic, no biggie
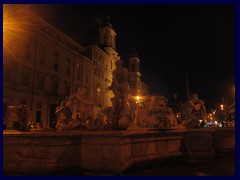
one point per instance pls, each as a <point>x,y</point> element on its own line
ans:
<point>138,99</point>
<point>221,106</point>
<point>16,26</point>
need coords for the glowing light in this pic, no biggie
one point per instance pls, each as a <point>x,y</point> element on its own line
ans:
<point>215,122</point>
<point>137,99</point>
<point>222,107</point>
<point>17,25</point>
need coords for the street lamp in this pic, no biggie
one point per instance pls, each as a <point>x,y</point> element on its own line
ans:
<point>137,99</point>
<point>222,107</point>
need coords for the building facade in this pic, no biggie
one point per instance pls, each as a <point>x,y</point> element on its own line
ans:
<point>42,66</point>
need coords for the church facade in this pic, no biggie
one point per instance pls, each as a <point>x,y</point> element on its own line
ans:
<point>42,66</point>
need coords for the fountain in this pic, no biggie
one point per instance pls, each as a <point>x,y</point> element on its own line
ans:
<point>109,140</point>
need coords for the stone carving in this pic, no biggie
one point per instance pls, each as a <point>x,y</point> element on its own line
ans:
<point>67,120</point>
<point>192,111</point>
<point>120,88</point>
<point>155,114</point>
<point>18,119</point>
<point>125,112</point>
<point>78,111</point>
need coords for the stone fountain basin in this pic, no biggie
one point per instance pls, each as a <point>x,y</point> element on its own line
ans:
<point>32,153</point>
<point>110,152</point>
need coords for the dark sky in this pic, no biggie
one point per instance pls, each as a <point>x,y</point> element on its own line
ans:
<point>169,39</point>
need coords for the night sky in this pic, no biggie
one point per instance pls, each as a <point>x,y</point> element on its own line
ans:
<point>169,40</point>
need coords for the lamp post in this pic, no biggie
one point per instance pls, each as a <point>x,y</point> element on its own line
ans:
<point>137,103</point>
<point>222,113</point>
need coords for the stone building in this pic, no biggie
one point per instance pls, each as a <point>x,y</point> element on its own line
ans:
<point>42,65</point>
<point>136,86</point>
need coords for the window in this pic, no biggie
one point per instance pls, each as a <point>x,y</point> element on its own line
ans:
<point>25,75</point>
<point>67,88</point>
<point>68,70</point>
<point>40,81</point>
<point>42,59</point>
<point>39,105</point>
<point>38,116</point>
<point>78,73</point>
<point>104,39</point>
<point>42,55</point>
<point>113,42</point>
<point>56,61</point>
<point>55,84</point>
<point>56,65</point>
<point>87,78</point>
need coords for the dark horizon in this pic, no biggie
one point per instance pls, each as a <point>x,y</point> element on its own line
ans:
<point>169,40</point>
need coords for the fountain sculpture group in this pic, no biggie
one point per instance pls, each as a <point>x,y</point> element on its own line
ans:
<point>79,112</point>
<point>149,131</point>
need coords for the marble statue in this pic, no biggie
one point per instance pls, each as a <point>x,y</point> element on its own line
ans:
<point>18,119</point>
<point>66,111</point>
<point>124,113</point>
<point>79,111</point>
<point>155,114</point>
<point>120,88</point>
<point>190,109</point>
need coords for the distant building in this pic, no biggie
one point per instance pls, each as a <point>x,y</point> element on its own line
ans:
<point>137,87</point>
<point>42,66</point>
